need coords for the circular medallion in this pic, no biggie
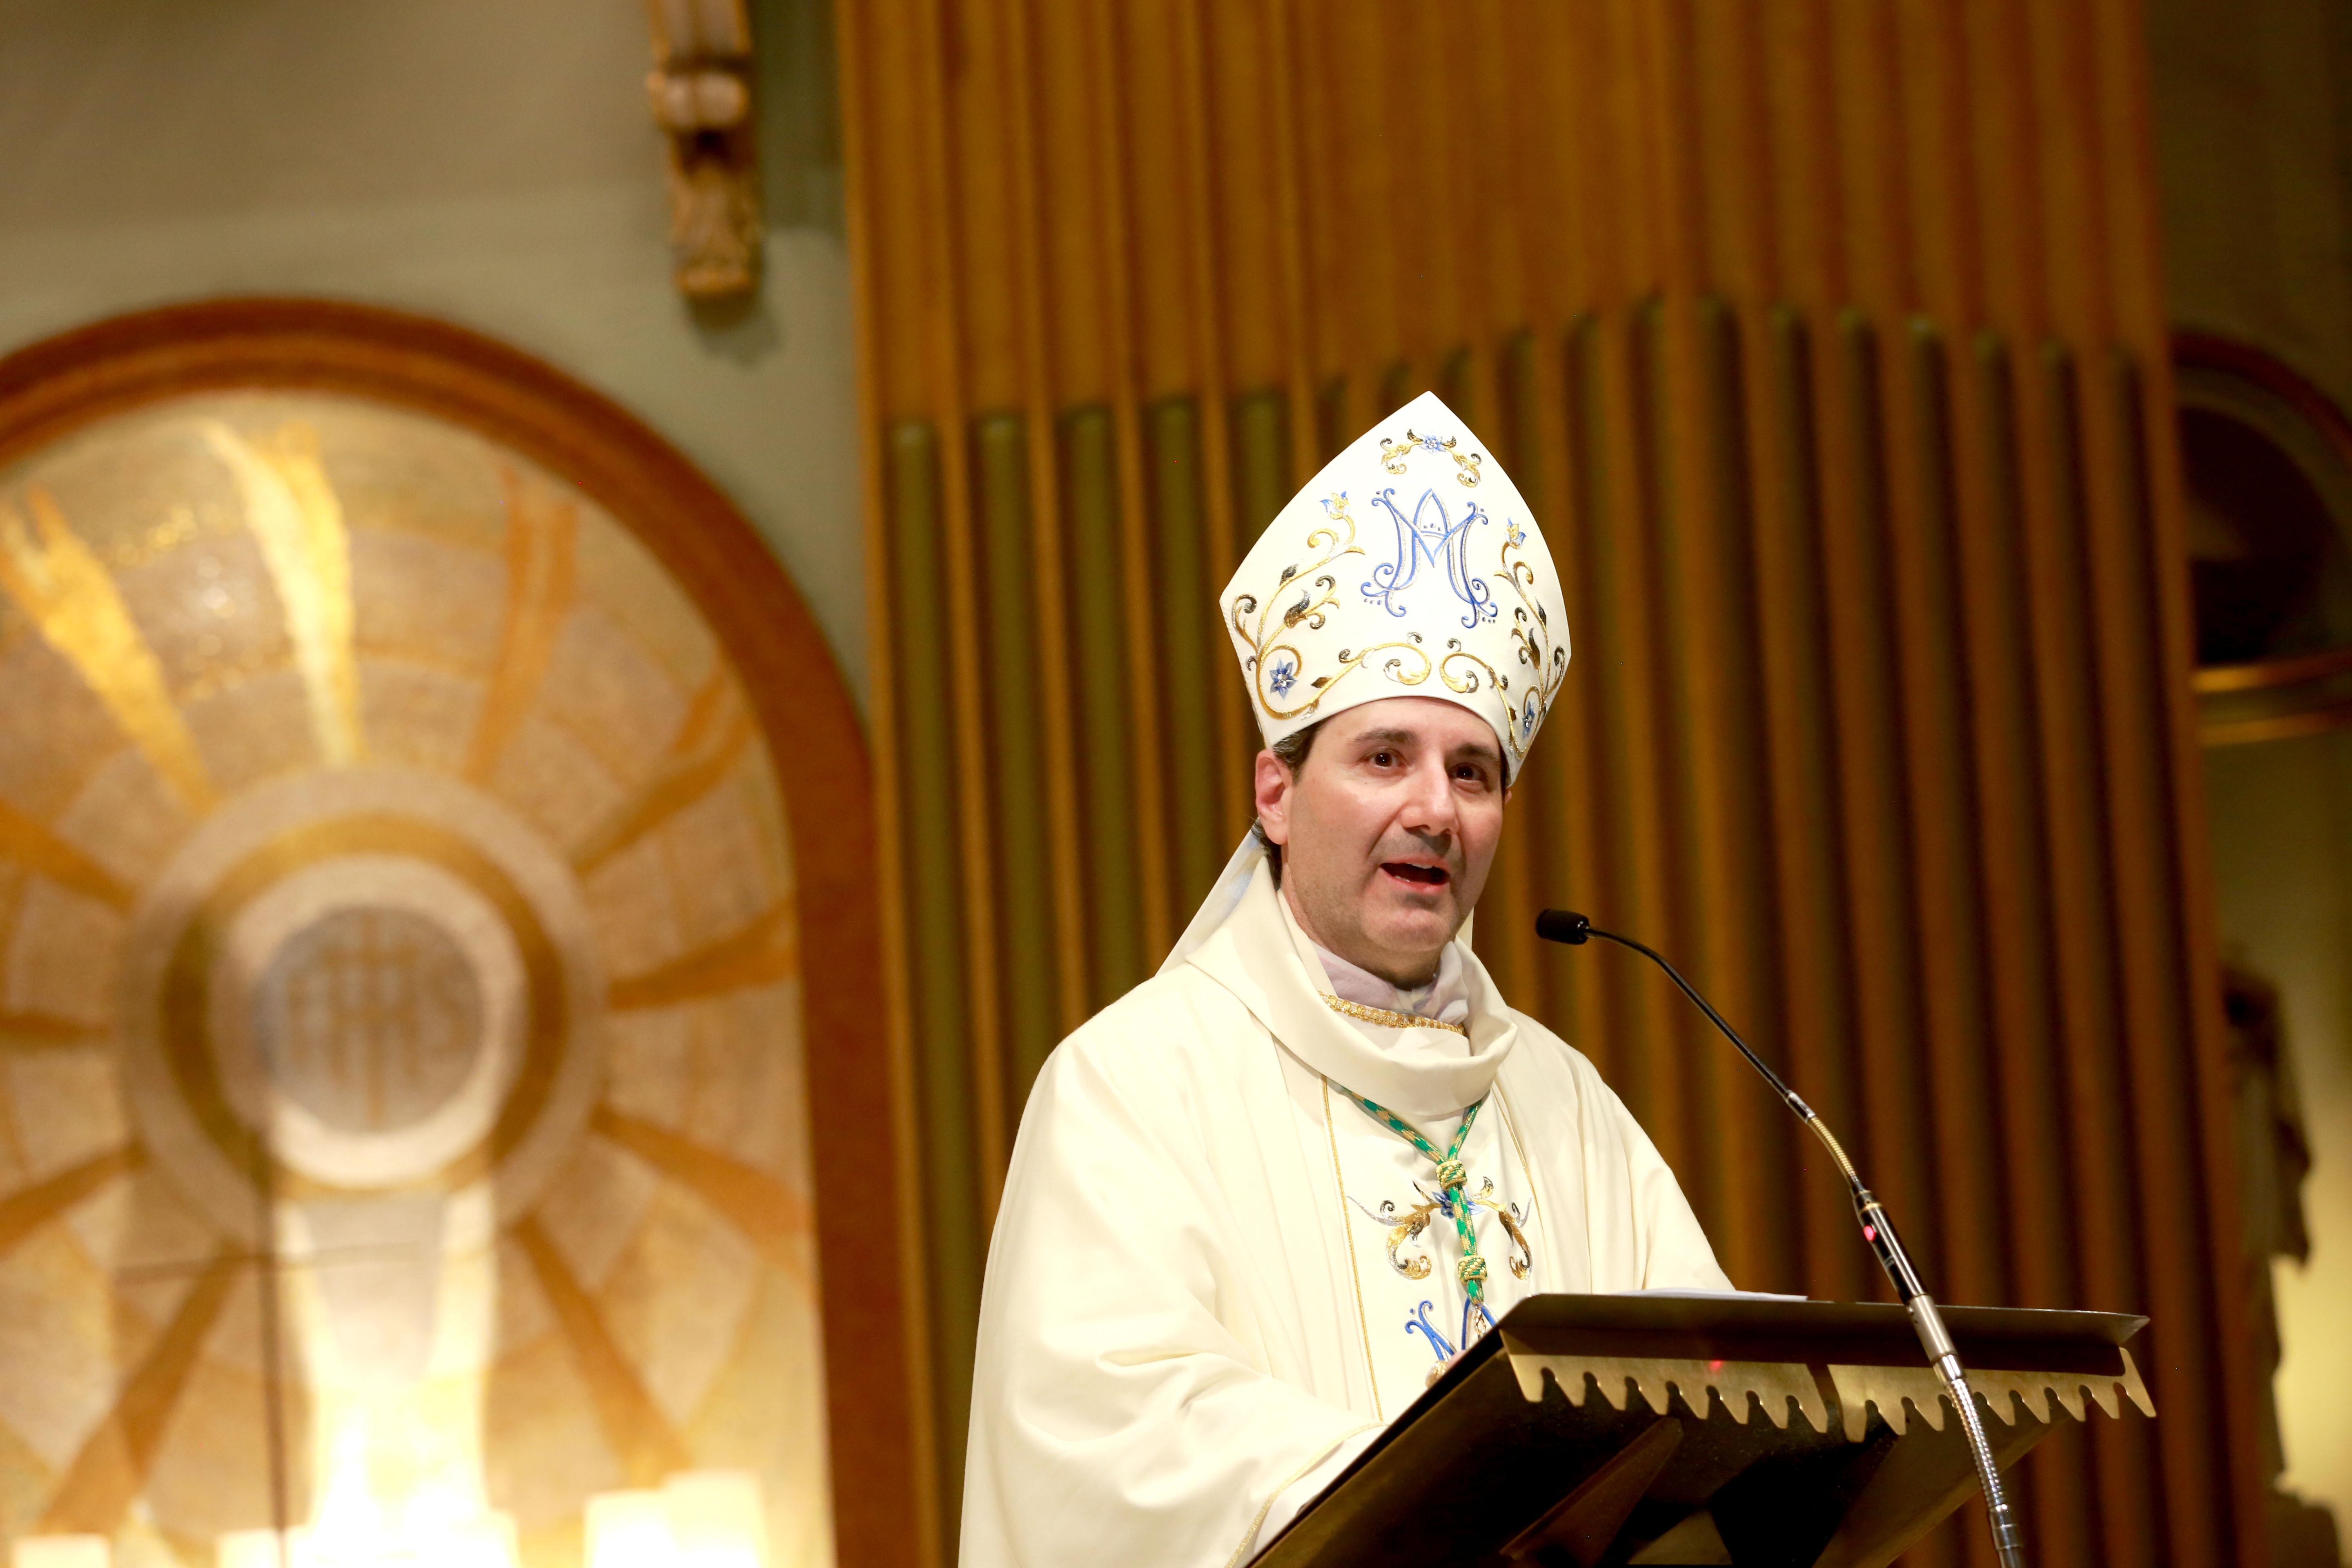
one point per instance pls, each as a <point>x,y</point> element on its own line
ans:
<point>384,979</point>
<point>366,1020</point>
<point>368,1014</point>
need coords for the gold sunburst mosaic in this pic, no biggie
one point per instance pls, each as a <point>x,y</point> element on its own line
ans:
<point>402,1139</point>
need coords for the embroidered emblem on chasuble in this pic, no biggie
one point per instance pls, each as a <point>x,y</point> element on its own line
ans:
<point>1404,1246</point>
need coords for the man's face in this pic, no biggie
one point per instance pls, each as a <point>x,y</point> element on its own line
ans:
<point>1387,830</point>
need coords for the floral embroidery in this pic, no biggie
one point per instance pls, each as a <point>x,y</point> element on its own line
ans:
<point>1405,1226</point>
<point>1522,1257</point>
<point>1544,661</point>
<point>1414,1221</point>
<point>1272,665</point>
<point>1394,455</point>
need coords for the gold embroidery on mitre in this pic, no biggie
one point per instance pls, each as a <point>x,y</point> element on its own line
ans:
<point>1506,650</point>
<point>1274,665</point>
<point>1394,455</point>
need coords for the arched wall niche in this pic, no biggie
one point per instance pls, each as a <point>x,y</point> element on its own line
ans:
<point>680,904</point>
<point>2266,462</point>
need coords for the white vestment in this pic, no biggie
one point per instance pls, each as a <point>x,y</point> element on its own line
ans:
<point>1194,1315</point>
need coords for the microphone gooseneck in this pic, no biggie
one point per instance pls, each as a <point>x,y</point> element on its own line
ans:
<point>1567,926</point>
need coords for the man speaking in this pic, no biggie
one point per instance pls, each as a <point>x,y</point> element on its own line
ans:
<point>1258,1204</point>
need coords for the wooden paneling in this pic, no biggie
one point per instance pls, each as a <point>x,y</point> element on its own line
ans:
<point>1826,336</point>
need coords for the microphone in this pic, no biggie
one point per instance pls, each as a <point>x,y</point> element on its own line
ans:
<point>1574,930</point>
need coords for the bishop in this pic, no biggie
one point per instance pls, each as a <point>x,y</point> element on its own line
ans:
<point>1258,1204</point>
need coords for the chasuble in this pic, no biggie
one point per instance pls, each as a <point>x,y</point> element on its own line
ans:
<point>1217,1271</point>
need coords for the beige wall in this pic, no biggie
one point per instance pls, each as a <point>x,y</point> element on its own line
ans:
<point>488,162</point>
<point>2282,817</point>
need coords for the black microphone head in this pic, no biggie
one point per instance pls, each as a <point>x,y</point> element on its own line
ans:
<point>1563,925</point>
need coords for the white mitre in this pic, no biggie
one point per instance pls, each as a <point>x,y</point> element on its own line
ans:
<point>1409,566</point>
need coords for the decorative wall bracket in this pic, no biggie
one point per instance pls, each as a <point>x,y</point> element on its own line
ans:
<point>701,90</point>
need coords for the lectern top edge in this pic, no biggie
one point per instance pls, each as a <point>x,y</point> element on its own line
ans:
<point>1746,1314</point>
<point>1849,1333</point>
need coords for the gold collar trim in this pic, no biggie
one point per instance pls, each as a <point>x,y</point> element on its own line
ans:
<point>1382,1016</point>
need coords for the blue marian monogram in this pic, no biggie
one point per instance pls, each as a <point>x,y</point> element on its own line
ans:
<point>1432,538</point>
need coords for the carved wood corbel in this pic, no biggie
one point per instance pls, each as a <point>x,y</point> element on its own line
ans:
<point>701,91</point>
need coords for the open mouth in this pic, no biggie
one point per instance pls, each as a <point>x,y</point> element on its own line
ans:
<point>1417,876</point>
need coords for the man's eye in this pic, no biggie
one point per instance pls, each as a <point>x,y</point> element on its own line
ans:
<point>1382,759</point>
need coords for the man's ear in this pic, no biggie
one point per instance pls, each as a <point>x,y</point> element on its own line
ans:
<point>1272,796</point>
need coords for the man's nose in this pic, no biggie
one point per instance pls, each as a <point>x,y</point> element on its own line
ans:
<point>1433,810</point>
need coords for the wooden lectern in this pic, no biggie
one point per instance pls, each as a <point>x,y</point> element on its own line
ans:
<point>1637,1429</point>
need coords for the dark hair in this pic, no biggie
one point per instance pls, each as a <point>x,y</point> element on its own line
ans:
<point>1292,749</point>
